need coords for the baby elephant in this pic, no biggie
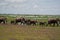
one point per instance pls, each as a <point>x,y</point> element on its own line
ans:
<point>12,22</point>
<point>42,23</point>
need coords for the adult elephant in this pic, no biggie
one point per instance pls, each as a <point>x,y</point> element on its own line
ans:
<point>53,22</point>
<point>20,20</point>
<point>3,20</point>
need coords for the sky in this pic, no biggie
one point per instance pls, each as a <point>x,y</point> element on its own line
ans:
<point>40,7</point>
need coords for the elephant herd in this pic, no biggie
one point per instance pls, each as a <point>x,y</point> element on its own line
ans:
<point>23,21</point>
<point>51,22</point>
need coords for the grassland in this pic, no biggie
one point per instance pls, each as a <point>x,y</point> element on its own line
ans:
<point>29,32</point>
<point>24,32</point>
<point>32,17</point>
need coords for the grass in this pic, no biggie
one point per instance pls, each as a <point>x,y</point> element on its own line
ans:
<point>21,32</point>
<point>25,32</point>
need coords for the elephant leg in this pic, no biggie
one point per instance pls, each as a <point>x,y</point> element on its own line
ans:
<point>22,23</point>
<point>47,24</point>
<point>53,24</point>
<point>57,24</point>
<point>34,23</point>
<point>0,21</point>
<point>16,22</point>
<point>50,24</point>
<point>4,22</point>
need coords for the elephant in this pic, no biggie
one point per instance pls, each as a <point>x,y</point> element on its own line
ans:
<point>53,22</point>
<point>3,20</point>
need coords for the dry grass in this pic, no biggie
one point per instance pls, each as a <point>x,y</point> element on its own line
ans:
<point>23,32</point>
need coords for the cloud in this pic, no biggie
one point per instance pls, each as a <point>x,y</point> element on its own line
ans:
<point>3,4</point>
<point>30,6</point>
<point>15,0</point>
<point>12,4</point>
<point>35,6</point>
<point>18,6</point>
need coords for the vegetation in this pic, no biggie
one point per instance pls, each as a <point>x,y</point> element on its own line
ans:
<point>29,32</point>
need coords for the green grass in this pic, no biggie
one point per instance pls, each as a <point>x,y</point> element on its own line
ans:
<point>21,32</point>
<point>25,32</point>
<point>11,16</point>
